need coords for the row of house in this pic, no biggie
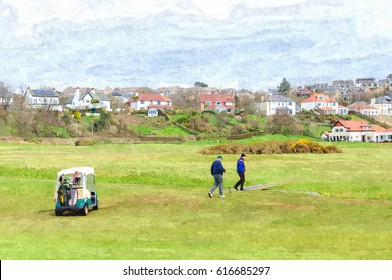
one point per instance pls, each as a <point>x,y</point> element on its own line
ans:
<point>357,131</point>
<point>319,101</point>
<point>87,98</point>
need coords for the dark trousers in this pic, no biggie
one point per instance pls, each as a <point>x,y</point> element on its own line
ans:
<point>241,181</point>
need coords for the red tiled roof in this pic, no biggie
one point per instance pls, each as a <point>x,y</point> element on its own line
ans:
<point>359,107</point>
<point>216,98</point>
<point>327,109</point>
<point>378,128</point>
<point>316,97</point>
<point>357,125</point>
<point>351,125</point>
<point>153,97</point>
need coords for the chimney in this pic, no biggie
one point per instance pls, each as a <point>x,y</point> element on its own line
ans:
<point>93,91</point>
<point>77,94</point>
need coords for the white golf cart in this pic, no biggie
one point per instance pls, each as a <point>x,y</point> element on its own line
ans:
<point>75,191</point>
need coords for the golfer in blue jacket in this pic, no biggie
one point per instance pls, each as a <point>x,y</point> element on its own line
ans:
<point>241,172</point>
<point>217,171</point>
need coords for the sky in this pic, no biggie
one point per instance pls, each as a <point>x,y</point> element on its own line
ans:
<point>223,43</point>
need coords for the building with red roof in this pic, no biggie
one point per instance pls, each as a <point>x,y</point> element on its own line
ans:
<point>145,101</point>
<point>217,102</point>
<point>364,109</point>
<point>357,131</point>
<point>321,101</point>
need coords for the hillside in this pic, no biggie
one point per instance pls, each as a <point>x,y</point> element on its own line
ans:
<point>168,126</point>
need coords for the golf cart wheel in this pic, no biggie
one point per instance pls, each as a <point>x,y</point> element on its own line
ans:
<point>84,211</point>
<point>58,212</point>
<point>96,206</point>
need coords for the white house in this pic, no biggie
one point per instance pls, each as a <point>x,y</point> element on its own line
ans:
<point>357,131</point>
<point>320,101</point>
<point>43,98</point>
<point>83,100</point>
<point>277,103</point>
<point>383,104</point>
<point>146,101</point>
<point>364,109</point>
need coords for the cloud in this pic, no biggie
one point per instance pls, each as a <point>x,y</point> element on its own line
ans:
<point>252,44</point>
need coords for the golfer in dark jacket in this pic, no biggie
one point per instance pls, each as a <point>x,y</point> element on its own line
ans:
<point>241,172</point>
<point>217,171</point>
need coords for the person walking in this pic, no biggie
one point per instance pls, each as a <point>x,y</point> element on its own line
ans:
<point>217,171</point>
<point>241,172</point>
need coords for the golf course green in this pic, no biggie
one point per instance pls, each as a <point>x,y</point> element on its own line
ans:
<point>154,204</point>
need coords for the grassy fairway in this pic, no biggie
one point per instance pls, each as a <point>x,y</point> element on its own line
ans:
<point>154,205</point>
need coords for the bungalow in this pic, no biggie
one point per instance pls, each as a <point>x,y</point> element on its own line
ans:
<point>146,101</point>
<point>320,101</point>
<point>85,100</point>
<point>43,98</point>
<point>357,131</point>
<point>277,103</point>
<point>364,109</point>
<point>217,102</point>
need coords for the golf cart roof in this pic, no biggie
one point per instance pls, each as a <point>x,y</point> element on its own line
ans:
<point>85,170</point>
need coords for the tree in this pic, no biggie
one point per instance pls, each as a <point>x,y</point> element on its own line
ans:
<point>5,98</point>
<point>200,84</point>
<point>282,124</point>
<point>284,87</point>
<point>244,104</point>
<point>95,102</point>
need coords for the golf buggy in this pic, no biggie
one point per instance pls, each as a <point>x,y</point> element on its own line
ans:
<point>75,191</point>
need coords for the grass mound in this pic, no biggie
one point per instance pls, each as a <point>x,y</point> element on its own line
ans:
<point>272,147</point>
